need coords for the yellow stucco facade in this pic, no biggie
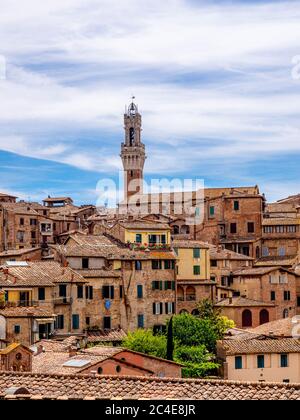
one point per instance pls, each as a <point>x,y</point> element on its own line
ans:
<point>163,236</point>
<point>189,265</point>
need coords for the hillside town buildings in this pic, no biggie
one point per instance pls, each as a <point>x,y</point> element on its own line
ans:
<point>94,274</point>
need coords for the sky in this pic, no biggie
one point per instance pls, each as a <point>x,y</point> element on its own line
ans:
<point>217,83</point>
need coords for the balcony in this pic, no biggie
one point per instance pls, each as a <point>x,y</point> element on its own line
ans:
<point>18,304</point>
<point>191,298</point>
<point>63,301</point>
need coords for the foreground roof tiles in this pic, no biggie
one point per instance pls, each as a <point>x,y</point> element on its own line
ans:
<point>107,387</point>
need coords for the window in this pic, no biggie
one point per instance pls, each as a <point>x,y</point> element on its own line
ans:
<point>251,227</point>
<point>41,293</point>
<point>138,238</point>
<point>260,362</point>
<point>87,321</point>
<point>17,329</point>
<point>196,252</point>
<point>197,270</point>
<point>108,292</point>
<point>107,322</point>
<point>167,265</point>
<point>273,295</point>
<point>156,264</point>
<point>265,251</point>
<point>141,322</point>
<point>224,281</point>
<point>80,292</point>
<point>281,251</point>
<point>211,211</point>
<point>22,221</point>
<point>89,293</point>
<point>284,361</point>
<point>121,292</point>
<point>157,308</point>
<point>283,279</point>
<point>170,308</point>
<point>100,371</point>
<point>60,322</point>
<point>75,322</point>
<point>287,295</point>
<point>157,285</point>
<point>236,205</point>
<point>138,265</point>
<point>33,222</point>
<point>233,227</point>
<point>85,263</point>
<point>238,362</point>
<point>163,239</point>
<point>169,285</point>
<point>140,292</point>
<point>20,236</point>
<point>118,369</point>
<point>62,290</point>
<point>273,279</point>
<point>214,263</point>
<point>152,239</point>
<point>298,301</point>
<point>33,234</point>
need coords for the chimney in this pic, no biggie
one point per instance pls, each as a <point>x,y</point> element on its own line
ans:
<point>5,270</point>
<point>40,350</point>
<point>72,351</point>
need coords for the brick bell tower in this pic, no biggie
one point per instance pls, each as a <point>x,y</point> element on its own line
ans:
<point>133,152</point>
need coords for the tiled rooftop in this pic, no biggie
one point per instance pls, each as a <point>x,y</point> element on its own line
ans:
<point>38,273</point>
<point>239,301</point>
<point>105,387</point>
<point>261,345</point>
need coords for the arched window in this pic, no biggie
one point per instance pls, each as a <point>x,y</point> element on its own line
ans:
<point>100,371</point>
<point>286,313</point>
<point>264,317</point>
<point>183,311</point>
<point>190,293</point>
<point>195,312</point>
<point>247,318</point>
<point>180,294</point>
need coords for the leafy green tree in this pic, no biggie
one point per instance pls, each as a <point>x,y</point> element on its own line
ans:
<point>189,330</point>
<point>208,311</point>
<point>145,342</point>
<point>197,361</point>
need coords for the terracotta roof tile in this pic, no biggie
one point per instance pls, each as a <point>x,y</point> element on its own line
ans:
<point>261,345</point>
<point>105,387</point>
<point>38,273</point>
<point>238,301</point>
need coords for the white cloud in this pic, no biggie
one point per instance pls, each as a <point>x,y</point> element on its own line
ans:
<point>214,81</point>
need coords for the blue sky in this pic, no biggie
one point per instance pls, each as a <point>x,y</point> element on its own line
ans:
<point>214,80</point>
